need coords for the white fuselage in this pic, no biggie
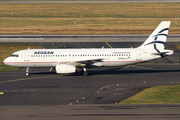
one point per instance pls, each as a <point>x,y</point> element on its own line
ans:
<point>52,57</point>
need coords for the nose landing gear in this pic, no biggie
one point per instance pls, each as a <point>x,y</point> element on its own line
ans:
<point>27,71</point>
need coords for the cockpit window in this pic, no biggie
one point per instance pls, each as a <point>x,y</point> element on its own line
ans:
<point>14,55</point>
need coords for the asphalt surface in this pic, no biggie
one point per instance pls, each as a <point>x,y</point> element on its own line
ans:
<point>82,38</point>
<point>114,84</point>
<point>47,95</point>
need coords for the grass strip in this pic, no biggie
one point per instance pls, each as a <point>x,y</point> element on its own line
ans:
<point>91,18</point>
<point>166,94</point>
<point>7,49</point>
<point>6,68</point>
<point>178,46</point>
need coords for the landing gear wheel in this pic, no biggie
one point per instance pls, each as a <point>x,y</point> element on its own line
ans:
<point>85,73</point>
<point>27,74</point>
<point>27,71</point>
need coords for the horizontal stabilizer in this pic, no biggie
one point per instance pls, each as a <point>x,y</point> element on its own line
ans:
<point>164,53</point>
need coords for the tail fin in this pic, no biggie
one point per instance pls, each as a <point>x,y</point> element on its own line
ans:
<point>158,38</point>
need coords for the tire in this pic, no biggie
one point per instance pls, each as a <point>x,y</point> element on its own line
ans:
<point>85,74</point>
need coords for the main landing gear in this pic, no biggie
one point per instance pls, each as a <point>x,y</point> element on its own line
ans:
<point>84,73</point>
<point>52,69</point>
<point>27,71</point>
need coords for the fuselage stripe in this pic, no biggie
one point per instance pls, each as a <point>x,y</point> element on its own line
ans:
<point>75,61</point>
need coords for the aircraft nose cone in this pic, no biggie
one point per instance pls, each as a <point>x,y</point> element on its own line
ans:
<point>6,61</point>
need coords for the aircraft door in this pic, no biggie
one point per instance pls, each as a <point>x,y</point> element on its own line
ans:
<point>138,55</point>
<point>26,56</point>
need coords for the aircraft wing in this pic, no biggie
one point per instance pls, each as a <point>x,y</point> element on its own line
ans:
<point>87,61</point>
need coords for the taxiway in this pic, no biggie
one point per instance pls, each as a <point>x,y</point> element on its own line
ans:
<point>47,95</point>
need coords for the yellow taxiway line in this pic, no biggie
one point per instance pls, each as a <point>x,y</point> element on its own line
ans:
<point>19,79</point>
<point>1,93</point>
<point>107,44</point>
<point>145,68</point>
<point>127,66</point>
<point>157,64</point>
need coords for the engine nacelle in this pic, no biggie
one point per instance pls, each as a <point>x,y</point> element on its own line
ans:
<point>64,68</point>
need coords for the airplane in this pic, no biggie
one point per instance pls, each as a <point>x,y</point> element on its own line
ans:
<point>75,60</point>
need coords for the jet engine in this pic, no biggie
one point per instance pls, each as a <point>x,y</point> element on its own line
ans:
<point>64,68</point>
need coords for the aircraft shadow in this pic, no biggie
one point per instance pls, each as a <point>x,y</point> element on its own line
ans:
<point>118,71</point>
<point>113,71</point>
